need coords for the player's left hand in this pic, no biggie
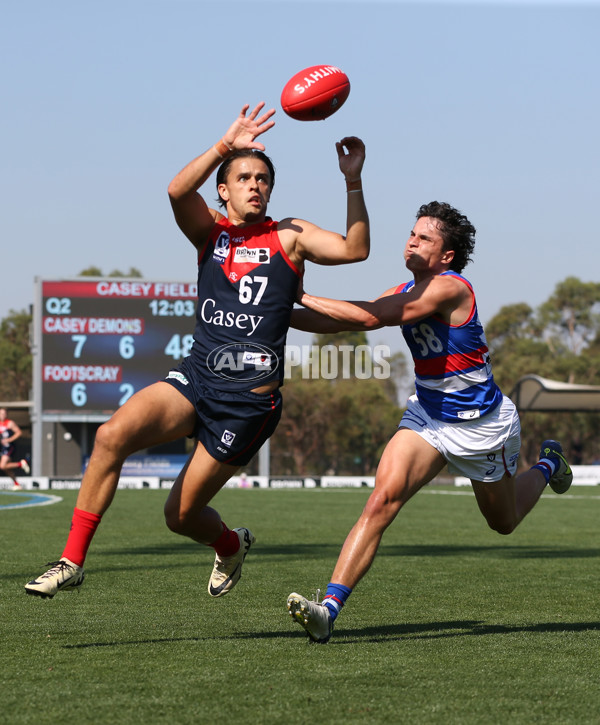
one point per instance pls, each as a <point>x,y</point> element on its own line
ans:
<point>351,155</point>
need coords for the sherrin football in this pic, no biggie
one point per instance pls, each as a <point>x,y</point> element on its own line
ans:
<point>314,93</point>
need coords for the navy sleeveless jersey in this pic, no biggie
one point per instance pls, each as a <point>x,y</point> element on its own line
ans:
<point>6,432</point>
<point>453,372</point>
<point>246,291</point>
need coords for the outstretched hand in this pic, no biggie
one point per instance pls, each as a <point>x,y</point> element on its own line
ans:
<point>244,130</point>
<point>352,159</point>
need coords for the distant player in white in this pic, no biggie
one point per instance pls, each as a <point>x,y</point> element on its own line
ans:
<point>458,416</point>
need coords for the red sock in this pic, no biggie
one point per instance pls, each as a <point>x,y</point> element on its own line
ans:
<point>228,543</point>
<point>83,528</point>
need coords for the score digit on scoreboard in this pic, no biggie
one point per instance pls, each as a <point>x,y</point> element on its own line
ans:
<point>101,340</point>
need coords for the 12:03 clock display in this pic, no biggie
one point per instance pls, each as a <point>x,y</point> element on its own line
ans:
<point>102,340</point>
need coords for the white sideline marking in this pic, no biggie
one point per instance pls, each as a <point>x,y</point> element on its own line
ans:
<point>545,495</point>
<point>39,499</point>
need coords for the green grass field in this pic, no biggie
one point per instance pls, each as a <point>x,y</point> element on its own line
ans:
<point>453,624</point>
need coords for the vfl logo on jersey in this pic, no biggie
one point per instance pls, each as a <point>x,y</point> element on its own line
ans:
<point>227,438</point>
<point>241,361</point>
<point>261,255</point>
<point>221,248</point>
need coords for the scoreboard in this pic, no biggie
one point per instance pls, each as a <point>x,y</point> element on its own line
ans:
<point>99,340</point>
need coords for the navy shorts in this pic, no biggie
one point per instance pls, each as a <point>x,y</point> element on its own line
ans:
<point>7,449</point>
<point>232,426</point>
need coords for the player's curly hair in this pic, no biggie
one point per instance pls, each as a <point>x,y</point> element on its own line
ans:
<point>457,231</point>
<point>242,153</point>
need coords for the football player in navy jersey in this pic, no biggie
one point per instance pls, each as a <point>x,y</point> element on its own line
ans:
<point>458,416</point>
<point>9,432</point>
<point>225,394</point>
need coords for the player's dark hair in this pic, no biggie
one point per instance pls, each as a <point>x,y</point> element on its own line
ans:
<point>457,231</point>
<point>243,153</point>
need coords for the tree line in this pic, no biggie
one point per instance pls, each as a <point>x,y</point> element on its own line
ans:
<point>340,425</point>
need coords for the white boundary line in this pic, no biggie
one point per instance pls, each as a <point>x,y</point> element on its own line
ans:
<point>544,496</point>
<point>43,499</point>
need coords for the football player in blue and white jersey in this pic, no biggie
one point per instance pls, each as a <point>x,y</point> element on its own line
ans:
<point>457,417</point>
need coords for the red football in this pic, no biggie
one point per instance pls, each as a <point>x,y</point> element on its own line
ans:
<point>315,93</point>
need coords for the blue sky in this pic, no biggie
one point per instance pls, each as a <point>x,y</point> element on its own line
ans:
<point>493,107</point>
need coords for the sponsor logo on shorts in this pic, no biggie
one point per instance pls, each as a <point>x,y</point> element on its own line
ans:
<point>180,377</point>
<point>221,248</point>
<point>227,438</point>
<point>242,361</point>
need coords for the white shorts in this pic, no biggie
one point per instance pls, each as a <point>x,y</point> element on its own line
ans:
<point>483,449</point>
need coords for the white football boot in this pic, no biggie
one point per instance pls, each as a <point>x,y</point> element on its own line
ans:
<point>314,617</point>
<point>63,575</point>
<point>228,570</point>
